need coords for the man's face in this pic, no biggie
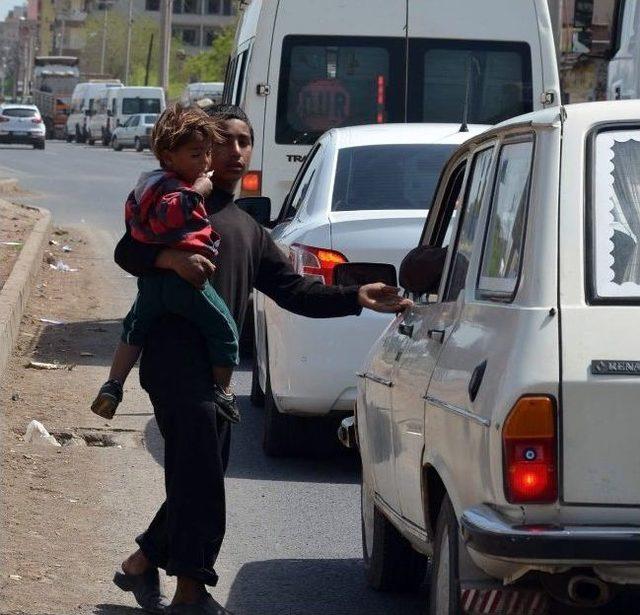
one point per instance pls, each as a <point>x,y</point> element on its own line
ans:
<point>230,160</point>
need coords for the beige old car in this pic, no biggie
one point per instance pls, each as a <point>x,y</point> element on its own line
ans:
<point>498,419</point>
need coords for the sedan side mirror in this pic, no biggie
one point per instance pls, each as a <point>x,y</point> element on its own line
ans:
<point>258,207</point>
<point>357,274</point>
<point>421,270</point>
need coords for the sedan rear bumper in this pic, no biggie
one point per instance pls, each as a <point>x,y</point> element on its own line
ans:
<point>489,533</point>
<point>30,139</point>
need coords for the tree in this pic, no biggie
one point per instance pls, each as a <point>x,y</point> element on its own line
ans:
<point>211,65</point>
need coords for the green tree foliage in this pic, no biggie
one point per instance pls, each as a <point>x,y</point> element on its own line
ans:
<point>210,65</point>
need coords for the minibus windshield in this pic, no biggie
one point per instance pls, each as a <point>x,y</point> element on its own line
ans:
<point>401,176</point>
<point>333,81</point>
<point>140,105</point>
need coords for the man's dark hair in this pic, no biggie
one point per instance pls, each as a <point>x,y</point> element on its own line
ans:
<point>223,113</point>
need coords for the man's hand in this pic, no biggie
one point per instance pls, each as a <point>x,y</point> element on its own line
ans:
<point>203,185</point>
<point>382,298</point>
<point>193,268</point>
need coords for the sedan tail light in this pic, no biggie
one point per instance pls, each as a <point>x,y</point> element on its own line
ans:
<point>36,120</point>
<point>529,439</point>
<point>317,263</point>
<point>4,119</point>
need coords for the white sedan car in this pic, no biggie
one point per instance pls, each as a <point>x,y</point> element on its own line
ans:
<point>135,132</point>
<point>498,418</point>
<point>22,124</point>
<point>361,195</point>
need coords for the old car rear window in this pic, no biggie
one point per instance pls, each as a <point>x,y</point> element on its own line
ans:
<point>388,176</point>
<point>615,215</point>
<point>19,112</point>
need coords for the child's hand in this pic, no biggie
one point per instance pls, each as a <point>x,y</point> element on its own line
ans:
<point>203,185</point>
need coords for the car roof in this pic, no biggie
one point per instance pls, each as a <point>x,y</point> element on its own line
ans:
<point>393,134</point>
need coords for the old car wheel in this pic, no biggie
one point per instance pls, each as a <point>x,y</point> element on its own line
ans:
<point>116,144</point>
<point>390,562</point>
<point>444,593</point>
<point>138,145</point>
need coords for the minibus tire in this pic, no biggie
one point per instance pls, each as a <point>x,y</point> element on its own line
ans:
<point>445,571</point>
<point>390,562</point>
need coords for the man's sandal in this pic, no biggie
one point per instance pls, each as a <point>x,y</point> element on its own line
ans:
<point>145,588</point>
<point>205,606</point>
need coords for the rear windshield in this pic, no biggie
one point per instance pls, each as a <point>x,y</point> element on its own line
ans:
<point>327,82</point>
<point>140,105</point>
<point>615,215</point>
<point>18,112</point>
<point>150,119</point>
<point>388,176</point>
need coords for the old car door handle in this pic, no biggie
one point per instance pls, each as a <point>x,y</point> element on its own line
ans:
<point>405,329</point>
<point>476,380</point>
<point>436,334</point>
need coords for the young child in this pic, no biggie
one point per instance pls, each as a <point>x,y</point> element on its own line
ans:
<point>167,207</point>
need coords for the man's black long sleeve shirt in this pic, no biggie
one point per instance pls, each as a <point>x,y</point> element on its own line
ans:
<point>249,258</point>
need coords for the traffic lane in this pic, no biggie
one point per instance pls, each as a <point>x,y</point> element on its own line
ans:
<point>293,543</point>
<point>77,183</point>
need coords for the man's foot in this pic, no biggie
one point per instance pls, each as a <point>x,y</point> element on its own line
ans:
<point>109,396</point>
<point>145,588</point>
<point>227,404</point>
<point>204,606</point>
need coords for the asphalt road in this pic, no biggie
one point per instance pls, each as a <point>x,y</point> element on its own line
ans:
<point>293,532</point>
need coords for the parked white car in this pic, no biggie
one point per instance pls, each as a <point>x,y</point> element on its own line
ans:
<point>135,132</point>
<point>22,124</point>
<point>497,419</point>
<point>361,195</point>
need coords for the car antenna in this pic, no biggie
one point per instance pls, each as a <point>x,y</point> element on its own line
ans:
<point>465,111</point>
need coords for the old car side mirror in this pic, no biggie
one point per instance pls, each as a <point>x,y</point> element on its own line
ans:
<point>357,274</point>
<point>258,207</point>
<point>421,269</point>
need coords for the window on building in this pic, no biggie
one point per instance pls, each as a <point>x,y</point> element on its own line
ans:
<point>178,6</point>
<point>213,7</point>
<point>152,5</point>
<point>190,36</point>
<point>228,8</point>
<point>210,35</point>
<point>191,6</point>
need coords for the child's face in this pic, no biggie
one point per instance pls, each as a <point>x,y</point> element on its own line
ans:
<point>190,160</point>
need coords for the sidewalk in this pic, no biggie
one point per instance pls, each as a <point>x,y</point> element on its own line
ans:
<point>64,512</point>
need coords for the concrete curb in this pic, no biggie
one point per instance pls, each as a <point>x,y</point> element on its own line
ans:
<point>15,293</point>
<point>8,185</point>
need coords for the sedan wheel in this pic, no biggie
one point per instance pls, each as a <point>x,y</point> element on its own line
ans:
<point>116,144</point>
<point>279,438</point>
<point>390,562</point>
<point>444,594</point>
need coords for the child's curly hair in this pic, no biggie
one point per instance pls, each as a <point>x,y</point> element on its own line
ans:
<point>178,125</point>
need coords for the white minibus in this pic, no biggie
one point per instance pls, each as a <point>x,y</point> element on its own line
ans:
<point>84,103</point>
<point>193,92</point>
<point>300,67</point>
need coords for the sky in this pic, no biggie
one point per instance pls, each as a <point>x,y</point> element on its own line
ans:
<point>6,6</point>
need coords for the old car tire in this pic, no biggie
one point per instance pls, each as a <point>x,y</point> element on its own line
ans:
<point>116,145</point>
<point>444,593</point>
<point>257,394</point>
<point>390,562</point>
<point>138,145</point>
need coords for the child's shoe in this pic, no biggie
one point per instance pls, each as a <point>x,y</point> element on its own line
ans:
<point>109,396</point>
<point>227,404</point>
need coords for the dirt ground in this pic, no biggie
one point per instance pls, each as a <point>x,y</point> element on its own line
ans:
<point>64,523</point>
<point>15,223</point>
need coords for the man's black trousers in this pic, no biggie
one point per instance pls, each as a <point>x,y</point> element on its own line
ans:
<point>185,536</point>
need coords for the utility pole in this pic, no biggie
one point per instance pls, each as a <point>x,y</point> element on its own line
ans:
<point>105,8</point>
<point>129,28</point>
<point>166,15</point>
<point>146,72</point>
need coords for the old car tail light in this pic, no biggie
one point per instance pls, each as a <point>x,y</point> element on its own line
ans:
<point>252,183</point>
<point>529,443</point>
<point>315,263</point>
<point>3,118</point>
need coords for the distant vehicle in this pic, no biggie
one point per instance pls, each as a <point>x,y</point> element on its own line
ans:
<point>22,124</point>
<point>54,79</point>
<point>135,132</point>
<point>119,104</point>
<point>497,418</point>
<point>194,92</point>
<point>362,195</point>
<point>84,103</point>
<point>301,67</point>
<point>623,79</point>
